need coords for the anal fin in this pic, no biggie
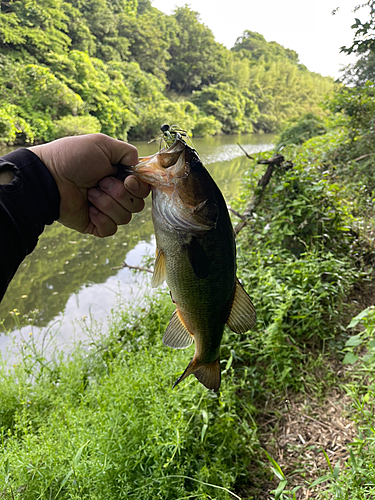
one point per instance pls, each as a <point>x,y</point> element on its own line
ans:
<point>208,374</point>
<point>177,335</point>
<point>242,316</point>
<point>160,270</point>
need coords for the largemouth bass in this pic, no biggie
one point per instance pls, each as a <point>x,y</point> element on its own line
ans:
<point>196,255</point>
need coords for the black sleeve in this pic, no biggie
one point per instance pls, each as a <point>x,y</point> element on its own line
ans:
<point>29,202</point>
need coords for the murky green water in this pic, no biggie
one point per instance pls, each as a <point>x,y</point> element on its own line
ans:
<point>69,275</point>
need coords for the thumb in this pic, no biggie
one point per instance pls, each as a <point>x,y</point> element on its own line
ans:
<point>117,151</point>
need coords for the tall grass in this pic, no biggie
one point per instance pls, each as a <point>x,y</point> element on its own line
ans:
<point>104,422</point>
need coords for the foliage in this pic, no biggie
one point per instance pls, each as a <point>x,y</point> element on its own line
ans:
<point>122,435</point>
<point>150,36</point>
<point>77,125</point>
<point>206,126</point>
<point>363,70</point>
<point>364,39</point>
<point>195,55</point>
<point>305,128</point>
<point>121,62</point>
<point>253,45</point>
<point>234,109</point>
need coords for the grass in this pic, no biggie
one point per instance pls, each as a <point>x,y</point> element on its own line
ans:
<point>104,422</point>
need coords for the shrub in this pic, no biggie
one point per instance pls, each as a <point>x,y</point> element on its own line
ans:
<point>77,125</point>
<point>305,128</point>
<point>206,126</point>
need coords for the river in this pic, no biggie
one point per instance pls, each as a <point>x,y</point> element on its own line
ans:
<point>68,287</point>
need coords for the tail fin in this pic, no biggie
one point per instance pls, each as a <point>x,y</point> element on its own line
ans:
<point>208,374</point>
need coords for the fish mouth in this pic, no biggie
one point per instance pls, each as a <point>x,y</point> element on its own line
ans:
<point>166,157</point>
<point>163,166</point>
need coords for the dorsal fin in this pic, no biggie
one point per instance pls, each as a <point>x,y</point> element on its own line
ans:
<point>242,316</point>
<point>177,335</point>
<point>160,270</point>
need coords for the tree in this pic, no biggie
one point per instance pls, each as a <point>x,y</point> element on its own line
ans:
<point>257,48</point>
<point>150,36</point>
<point>195,55</point>
<point>364,36</point>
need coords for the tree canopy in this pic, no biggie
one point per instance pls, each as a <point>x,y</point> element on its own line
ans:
<point>121,66</point>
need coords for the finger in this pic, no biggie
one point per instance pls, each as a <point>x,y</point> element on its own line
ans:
<point>137,187</point>
<point>106,204</point>
<point>117,151</point>
<point>100,224</point>
<point>116,190</point>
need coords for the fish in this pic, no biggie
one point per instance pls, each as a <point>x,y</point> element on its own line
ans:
<point>196,256</point>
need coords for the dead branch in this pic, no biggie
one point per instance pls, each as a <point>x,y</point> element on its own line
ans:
<point>237,214</point>
<point>363,156</point>
<point>276,161</point>
<point>135,268</point>
<point>247,154</point>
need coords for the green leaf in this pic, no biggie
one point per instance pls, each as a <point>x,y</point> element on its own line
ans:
<point>353,341</point>
<point>353,459</point>
<point>276,467</point>
<point>336,470</point>
<point>204,430</point>
<point>320,480</point>
<point>350,358</point>
<point>77,457</point>
<point>327,460</point>
<point>64,481</point>
<point>357,319</point>
<point>280,488</point>
<point>229,362</point>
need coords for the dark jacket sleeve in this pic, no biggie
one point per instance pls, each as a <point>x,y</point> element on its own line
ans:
<point>29,202</point>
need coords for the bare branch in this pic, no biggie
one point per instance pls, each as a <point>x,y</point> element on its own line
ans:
<point>135,268</point>
<point>276,161</point>
<point>237,214</point>
<point>247,154</point>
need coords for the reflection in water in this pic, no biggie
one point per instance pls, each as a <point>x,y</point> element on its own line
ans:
<point>69,275</point>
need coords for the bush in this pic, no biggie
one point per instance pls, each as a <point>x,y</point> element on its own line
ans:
<point>235,110</point>
<point>305,128</point>
<point>13,126</point>
<point>206,126</point>
<point>183,113</point>
<point>77,125</point>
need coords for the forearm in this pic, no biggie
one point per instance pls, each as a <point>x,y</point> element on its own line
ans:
<point>28,203</point>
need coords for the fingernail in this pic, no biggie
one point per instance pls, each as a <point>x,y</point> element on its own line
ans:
<point>93,193</point>
<point>106,183</point>
<point>132,183</point>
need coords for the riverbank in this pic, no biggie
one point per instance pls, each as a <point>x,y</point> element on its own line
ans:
<point>127,434</point>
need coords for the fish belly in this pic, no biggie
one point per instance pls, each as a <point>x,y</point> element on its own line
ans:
<point>203,303</point>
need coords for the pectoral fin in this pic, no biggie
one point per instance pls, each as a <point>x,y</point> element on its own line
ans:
<point>160,270</point>
<point>176,334</point>
<point>242,316</point>
<point>198,258</point>
<point>208,374</point>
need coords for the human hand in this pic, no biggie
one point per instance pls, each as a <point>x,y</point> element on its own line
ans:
<point>92,201</point>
